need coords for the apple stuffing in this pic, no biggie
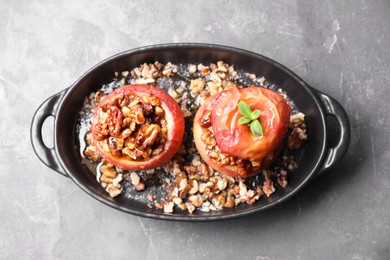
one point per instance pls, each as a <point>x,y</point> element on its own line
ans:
<point>137,127</point>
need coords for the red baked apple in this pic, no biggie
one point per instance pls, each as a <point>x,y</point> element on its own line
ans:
<point>251,153</point>
<point>138,127</point>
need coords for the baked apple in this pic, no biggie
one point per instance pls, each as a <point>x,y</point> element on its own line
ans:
<point>230,141</point>
<point>137,127</point>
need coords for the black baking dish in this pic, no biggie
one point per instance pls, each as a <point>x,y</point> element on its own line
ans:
<point>64,157</point>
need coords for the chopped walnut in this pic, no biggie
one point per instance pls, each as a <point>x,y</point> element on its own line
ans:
<point>268,185</point>
<point>298,135</point>
<point>92,153</point>
<point>282,178</point>
<point>113,186</point>
<point>136,181</point>
<point>168,206</point>
<point>108,171</point>
<point>197,85</point>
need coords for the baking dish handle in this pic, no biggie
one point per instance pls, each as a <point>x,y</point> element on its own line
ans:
<point>335,153</point>
<point>46,154</point>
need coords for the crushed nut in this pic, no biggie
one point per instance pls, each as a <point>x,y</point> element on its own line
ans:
<point>197,85</point>
<point>136,127</point>
<point>108,171</point>
<point>92,153</point>
<point>168,206</point>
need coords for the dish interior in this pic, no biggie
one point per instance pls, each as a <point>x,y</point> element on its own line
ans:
<point>310,156</point>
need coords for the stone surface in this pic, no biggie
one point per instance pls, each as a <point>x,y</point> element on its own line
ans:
<point>338,47</point>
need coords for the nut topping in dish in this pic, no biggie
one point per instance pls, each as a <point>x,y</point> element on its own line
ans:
<point>129,130</point>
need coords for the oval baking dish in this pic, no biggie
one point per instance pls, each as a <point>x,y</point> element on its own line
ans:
<point>64,157</point>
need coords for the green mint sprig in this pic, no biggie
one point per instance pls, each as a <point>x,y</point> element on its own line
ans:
<point>250,117</point>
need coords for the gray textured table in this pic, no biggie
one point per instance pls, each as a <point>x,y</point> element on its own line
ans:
<point>338,47</point>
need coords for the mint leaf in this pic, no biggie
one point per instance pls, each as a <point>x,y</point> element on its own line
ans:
<point>250,117</point>
<point>244,120</point>
<point>244,109</point>
<point>256,128</point>
<point>255,114</point>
